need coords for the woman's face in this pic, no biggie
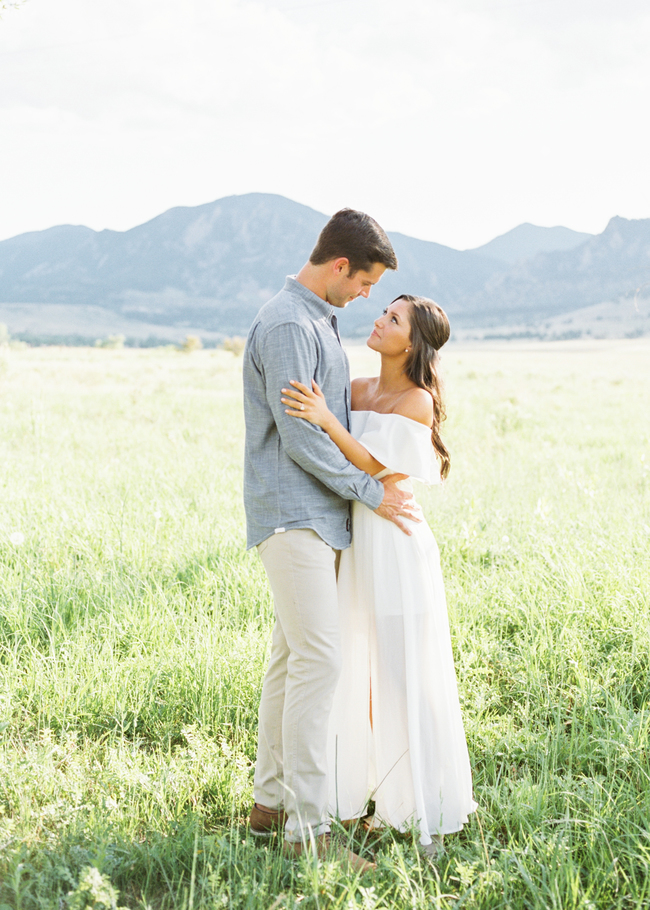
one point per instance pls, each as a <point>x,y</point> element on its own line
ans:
<point>392,332</point>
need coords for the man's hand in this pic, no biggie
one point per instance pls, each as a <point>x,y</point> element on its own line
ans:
<point>397,503</point>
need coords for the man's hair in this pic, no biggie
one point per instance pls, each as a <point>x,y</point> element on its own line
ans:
<point>356,237</point>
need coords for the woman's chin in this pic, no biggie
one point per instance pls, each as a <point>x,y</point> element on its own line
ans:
<point>371,342</point>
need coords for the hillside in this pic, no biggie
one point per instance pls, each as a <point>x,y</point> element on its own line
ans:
<point>527,240</point>
<point>611,266</point>
<point>209,268</point>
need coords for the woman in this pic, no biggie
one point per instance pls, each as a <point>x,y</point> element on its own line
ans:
<point>396,733</point>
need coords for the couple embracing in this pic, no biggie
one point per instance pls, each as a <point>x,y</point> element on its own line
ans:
<point>359,700</point>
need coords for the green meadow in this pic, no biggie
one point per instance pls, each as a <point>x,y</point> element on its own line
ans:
<point>134,632</point>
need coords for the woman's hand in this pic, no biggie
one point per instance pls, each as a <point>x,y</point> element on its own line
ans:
<point>307,403</point>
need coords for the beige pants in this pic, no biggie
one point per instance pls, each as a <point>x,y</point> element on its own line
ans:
<point>291,768</point>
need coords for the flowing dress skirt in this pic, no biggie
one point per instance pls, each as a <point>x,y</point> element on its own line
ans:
<point>396,733</point>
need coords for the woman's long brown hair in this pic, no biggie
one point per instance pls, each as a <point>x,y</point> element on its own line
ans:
<point>429,331</point>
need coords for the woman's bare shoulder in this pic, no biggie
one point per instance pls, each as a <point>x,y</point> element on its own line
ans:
<point>416,404</point>
<point>360,391</point>
<point>362,382</point>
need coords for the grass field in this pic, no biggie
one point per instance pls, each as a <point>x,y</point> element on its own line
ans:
<point>134,631</point>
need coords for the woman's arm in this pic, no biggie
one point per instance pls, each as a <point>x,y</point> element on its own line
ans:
<point>310,405</point>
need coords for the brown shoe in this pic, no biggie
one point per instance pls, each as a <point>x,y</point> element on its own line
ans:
<point>364,822</point>
<point>326,847</point>
<point>264,822</point>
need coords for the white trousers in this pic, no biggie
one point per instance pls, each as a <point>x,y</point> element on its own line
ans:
<point>291,768</point>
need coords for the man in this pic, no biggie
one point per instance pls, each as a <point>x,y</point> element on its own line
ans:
<point>297,488</point>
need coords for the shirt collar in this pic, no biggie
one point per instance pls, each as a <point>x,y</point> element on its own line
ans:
<point>316,306</point>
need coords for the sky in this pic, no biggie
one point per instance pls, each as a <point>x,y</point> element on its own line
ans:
<point>448,120</point>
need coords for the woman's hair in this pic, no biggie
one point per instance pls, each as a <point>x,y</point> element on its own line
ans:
<point>429,331</point>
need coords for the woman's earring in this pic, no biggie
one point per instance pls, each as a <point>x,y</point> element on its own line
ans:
<point>406,350</point>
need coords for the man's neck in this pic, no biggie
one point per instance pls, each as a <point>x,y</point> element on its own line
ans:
<point>313,278</point>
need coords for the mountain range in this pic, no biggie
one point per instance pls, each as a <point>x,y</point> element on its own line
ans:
<point>208,269</point>
<point>528,240</point>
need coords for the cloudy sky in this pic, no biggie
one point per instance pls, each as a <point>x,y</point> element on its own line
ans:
<point>450,120</point>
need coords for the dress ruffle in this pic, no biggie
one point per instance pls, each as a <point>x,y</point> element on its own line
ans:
<point>402,444</point>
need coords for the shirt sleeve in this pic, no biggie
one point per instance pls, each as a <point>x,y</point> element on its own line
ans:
<point>288,352</point>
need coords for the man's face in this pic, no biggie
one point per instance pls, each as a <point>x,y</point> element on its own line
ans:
<point>344,287</point>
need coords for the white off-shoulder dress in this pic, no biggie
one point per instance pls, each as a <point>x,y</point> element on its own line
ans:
<point>412,759</point>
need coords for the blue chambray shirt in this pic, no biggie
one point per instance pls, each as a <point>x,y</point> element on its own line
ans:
<point>294,475</point>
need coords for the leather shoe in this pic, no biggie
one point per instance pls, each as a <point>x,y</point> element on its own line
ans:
<point>264,822</point>
<point>325,847</point>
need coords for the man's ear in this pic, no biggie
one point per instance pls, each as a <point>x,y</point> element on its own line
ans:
<point>341,265</point>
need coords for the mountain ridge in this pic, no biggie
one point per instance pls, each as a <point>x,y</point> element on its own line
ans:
<point>212,266</point>
<point>527,240</point>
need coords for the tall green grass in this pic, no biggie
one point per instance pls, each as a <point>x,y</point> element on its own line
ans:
<point>134,633</point>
